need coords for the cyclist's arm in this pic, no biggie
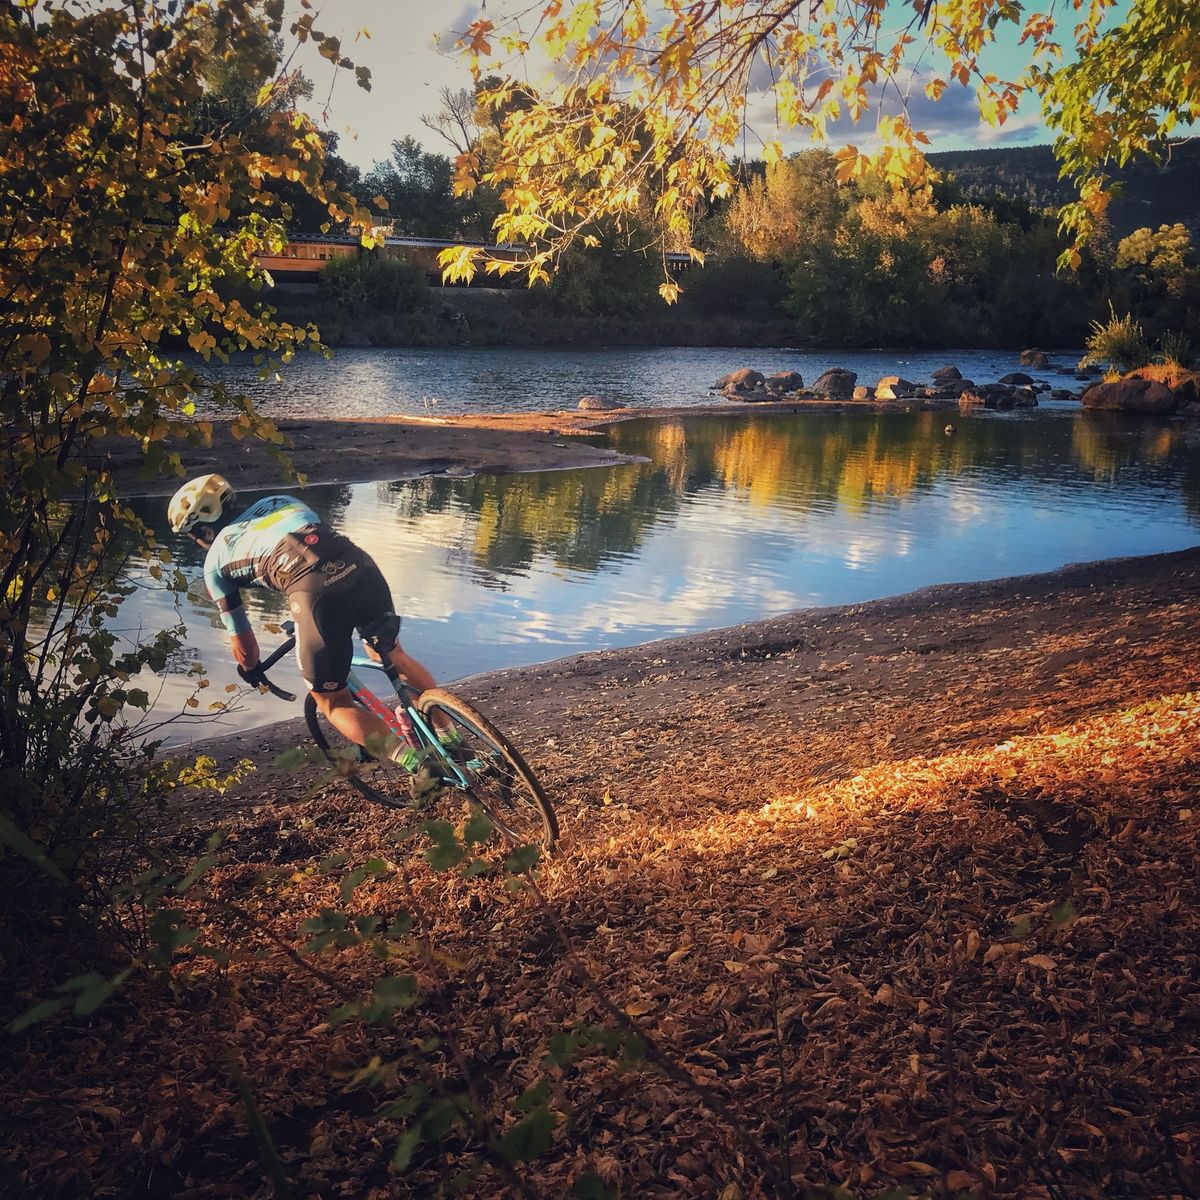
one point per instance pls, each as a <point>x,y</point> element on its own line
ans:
<point>233,616</point>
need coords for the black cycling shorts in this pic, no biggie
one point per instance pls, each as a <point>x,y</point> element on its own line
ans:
<point>333,600</point>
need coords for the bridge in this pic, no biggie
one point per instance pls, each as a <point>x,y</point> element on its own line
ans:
<point>307,255</point>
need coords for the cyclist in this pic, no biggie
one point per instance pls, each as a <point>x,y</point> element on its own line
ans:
<point>332,588</point>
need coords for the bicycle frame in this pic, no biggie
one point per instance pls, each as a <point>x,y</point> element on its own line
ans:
<point>426,738</point>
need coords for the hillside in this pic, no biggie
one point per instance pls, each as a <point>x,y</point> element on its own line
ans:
<point>1152,195</point>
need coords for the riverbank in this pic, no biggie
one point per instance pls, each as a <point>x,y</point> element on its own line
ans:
<point>363,450</point>
<point>862,672</point>
<point>943,844</point>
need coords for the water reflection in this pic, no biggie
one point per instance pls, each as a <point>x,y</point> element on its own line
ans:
<point>734,519</point>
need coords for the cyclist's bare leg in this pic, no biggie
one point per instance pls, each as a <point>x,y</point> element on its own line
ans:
<point>353,721</point>
<point>416,674</point>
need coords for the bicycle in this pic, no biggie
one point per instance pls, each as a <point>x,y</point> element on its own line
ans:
<point>481,765</point>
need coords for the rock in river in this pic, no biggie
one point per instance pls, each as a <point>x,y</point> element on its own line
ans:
<point>945,374</point>
<point>785,381</point>
<point>998,395</point>
<point>1035,358</point>
<point>736,382</point>
<point>597,404</point>
<point>1131,395</point>
<point>836,384</point>
<point>892,387</point>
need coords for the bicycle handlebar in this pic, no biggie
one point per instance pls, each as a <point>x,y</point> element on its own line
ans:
<point>257,676</point>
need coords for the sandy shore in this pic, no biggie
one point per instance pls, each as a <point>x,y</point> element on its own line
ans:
<point>402,447</point>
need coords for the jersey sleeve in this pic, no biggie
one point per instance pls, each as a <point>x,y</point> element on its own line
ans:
<point>226,594</point>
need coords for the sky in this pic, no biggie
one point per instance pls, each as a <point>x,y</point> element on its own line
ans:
<point>409,70</point>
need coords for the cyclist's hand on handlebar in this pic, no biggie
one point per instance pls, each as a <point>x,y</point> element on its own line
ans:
<point>255,676</point>
<point>245,649</point>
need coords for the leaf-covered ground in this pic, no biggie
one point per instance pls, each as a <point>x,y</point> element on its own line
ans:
<point>916,881</point>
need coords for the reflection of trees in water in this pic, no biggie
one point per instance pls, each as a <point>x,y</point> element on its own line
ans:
<point>851,461</point>
<point>579,519</point>
<point>1167,453</point>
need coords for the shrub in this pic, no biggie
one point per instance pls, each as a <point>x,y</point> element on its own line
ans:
<point>1119,342</point>
<point>360,285</point>
<point>1176,350</point>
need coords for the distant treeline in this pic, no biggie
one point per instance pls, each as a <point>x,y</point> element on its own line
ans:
<point>792,257</point>
<point>1151,194</point>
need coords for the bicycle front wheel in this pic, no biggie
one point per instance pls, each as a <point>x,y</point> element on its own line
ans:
<point>378,780</point>
<point>500,779</point>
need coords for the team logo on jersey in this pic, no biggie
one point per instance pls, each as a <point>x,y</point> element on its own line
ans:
<point>333,566</point>
<point>311,539</point>
<point>330,687</point>
<point>295,606</point>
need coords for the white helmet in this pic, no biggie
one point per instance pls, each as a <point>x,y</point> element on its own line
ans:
<point>199,501</point>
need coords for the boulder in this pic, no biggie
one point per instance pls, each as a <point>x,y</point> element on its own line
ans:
<point>863,393</point>
<point>946,374</point>
<point>1189,410</point>
<point>1017,379</point>
<point>785,381</point>
<point>745,380</point>
<point>1062,394</point>
<point>836,384</point>
<point>949,388</point>
<point>998,395</point>
<point>1035,358</point>
<point>892,387</point>
<point>597,404</point>
<point>1131,395</point>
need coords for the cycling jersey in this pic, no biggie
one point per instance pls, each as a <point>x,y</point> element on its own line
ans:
<point>251,551</point>
<point>333,587</point>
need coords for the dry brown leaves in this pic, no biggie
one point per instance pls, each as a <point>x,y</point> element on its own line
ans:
<point>979,936</point>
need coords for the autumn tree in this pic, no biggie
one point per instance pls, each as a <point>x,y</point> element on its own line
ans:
<point>130,203</point>
<point>649,100</point>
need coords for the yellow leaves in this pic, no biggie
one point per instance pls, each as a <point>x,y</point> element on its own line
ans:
<point>458,263</point>
<point>935,88</point>
<point>670,291</point>
<point>202,342</point>
<point>851,164</point>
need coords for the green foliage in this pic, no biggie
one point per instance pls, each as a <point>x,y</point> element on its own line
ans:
<point>141,180</point>
<point>1129,89</point>
<point>1177,350</point>
<point>419,189</point>
<point>1118,342</point>
<point>865,265</point>
<point>357,286</point>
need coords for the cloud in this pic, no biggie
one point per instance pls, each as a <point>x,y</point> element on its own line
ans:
<point>950,122</point>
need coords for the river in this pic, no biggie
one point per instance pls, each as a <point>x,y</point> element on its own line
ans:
<point>375,383</point>
<point>730,520</point>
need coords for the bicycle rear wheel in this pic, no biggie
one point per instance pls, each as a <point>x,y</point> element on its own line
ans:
<point>500,779</point>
